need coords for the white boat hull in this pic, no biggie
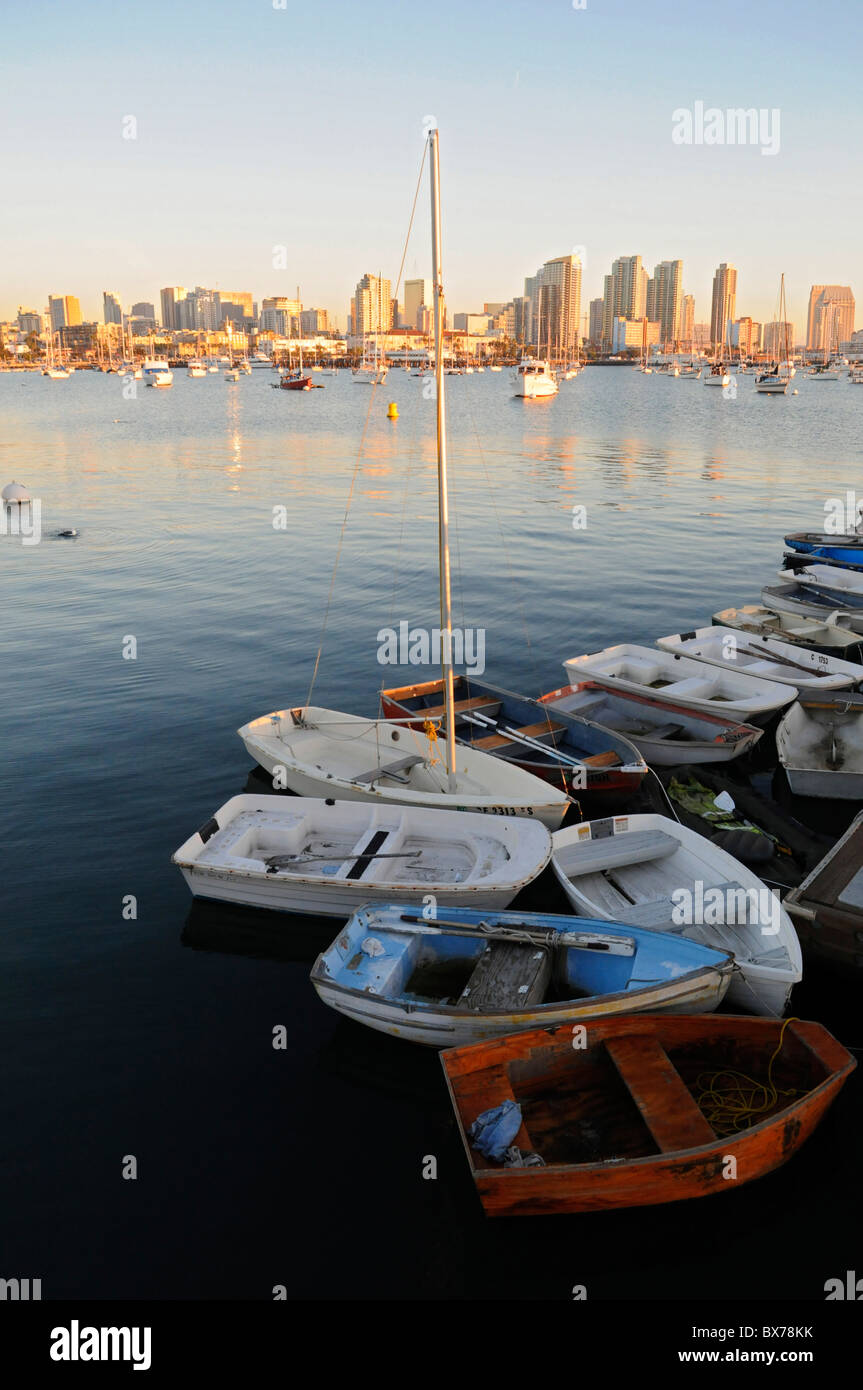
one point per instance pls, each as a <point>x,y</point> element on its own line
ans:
<point>767,657</point>
<point>448,1030</point>
<point>809,738</point>
<point>760,621</point>
<point>683,681</point>
<point>329,754</point>
<point>460,860</point>
<point>771,963</point>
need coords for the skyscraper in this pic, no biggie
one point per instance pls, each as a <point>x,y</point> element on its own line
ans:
<point>372,306</point>
<point>112,309</point>
<point>554,293</point>
<point>831,317</point>
<point>594,331</point>
<point>417,294</point>
<point>170,298</point>
<point>724,303</point>
<point>64,310</point>
<point>624,294</point>
<point>664,300</point>
<point>687,322</point>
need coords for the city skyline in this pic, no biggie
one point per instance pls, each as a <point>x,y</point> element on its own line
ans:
<point>134,176</point>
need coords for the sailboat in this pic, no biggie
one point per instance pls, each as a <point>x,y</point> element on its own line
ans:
<point>295,379</point>
<point>372,370</point>
<point>775,383</point>
<point>322,752</point>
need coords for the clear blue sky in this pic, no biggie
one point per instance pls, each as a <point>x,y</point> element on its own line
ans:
<point>302,126</point>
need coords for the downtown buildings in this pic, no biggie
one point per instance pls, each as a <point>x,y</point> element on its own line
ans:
<point>723,305</point>
<point>831,318</point>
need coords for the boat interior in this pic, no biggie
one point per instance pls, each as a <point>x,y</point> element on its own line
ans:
<point>823,738</point>
<point>486,974</point>
<point>627,878</point>
<point>299,847</point>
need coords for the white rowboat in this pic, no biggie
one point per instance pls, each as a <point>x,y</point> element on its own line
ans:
<point>650,671</point>
<point>765,656</point>
<point>650,871</point>
<point>307,855</point>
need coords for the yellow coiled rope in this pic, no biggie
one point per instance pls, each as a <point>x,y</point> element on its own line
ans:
<point>430,731</point>
<point>731,1100</point>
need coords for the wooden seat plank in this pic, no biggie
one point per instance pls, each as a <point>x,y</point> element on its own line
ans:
<point>540,732</point>
<point>476,702</point>
<point>508,976</point>
<point>657,1088</point>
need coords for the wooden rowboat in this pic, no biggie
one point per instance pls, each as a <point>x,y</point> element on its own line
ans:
<point>827,906</point>
<point>470,975</point>
<point>639,1111</point>
<point>559,747</point>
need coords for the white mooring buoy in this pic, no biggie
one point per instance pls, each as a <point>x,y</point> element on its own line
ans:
<point>15,495</point>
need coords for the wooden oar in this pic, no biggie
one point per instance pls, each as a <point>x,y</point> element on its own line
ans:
<point>767,655</point>
<point>280,860</point>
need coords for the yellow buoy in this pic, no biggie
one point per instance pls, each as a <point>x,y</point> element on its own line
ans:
<point>392,411</point>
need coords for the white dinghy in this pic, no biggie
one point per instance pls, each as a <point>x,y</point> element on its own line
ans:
<point>665,734</point>
<point>820,745</point>
<point>682,680</point>
<point>769,657</point>
<point>829,634</point>
<point>840,585</point>
<point>650,871</point>
<point>321,752</point>
<point>306,855</point>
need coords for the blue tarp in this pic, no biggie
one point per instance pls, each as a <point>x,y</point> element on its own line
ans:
<point>493,1131</point>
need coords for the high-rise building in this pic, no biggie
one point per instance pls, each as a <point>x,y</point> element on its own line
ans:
<point>235,305</point>
<point>417,294</point>
<point>64,310</point>
<point>29,321</point>
<point>594,331</point>
<point>171,297</point>
<point>831,317</point>
<point>554,296</point>
<point>372,306</point>
<point>664,299</point>
<point>624,294</point>
<point>314,321</point>
<point>143,310</point>
<point>280,316</point>
<point>775,337</point>
<point>687,322</point>
<point>112,309</point>
<point>745,334</point>
<point>724,303</point>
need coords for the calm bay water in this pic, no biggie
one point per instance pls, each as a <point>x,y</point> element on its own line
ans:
<point>152,1037</point>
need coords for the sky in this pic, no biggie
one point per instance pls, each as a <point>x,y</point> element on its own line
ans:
<point>258,126</point>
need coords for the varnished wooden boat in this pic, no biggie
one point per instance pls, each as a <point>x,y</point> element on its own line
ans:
<point>558,746</point>
<point>827,907</point>
<point>620,1114</point>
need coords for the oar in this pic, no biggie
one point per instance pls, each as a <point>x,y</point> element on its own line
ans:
<point>562,758</point>
<point>519,931</point>
<point>767,655</point>
<point>278,860</point>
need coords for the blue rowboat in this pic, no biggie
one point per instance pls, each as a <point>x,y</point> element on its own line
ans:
<point>469,975</point>
<point>561,748</point>
<point>824,545</point>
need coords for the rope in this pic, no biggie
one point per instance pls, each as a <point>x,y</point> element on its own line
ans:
<point>358,460</point>
<point>731,1100</point>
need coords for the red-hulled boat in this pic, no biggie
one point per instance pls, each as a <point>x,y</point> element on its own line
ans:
<point>641,1110</point>
<point>296,381</point>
